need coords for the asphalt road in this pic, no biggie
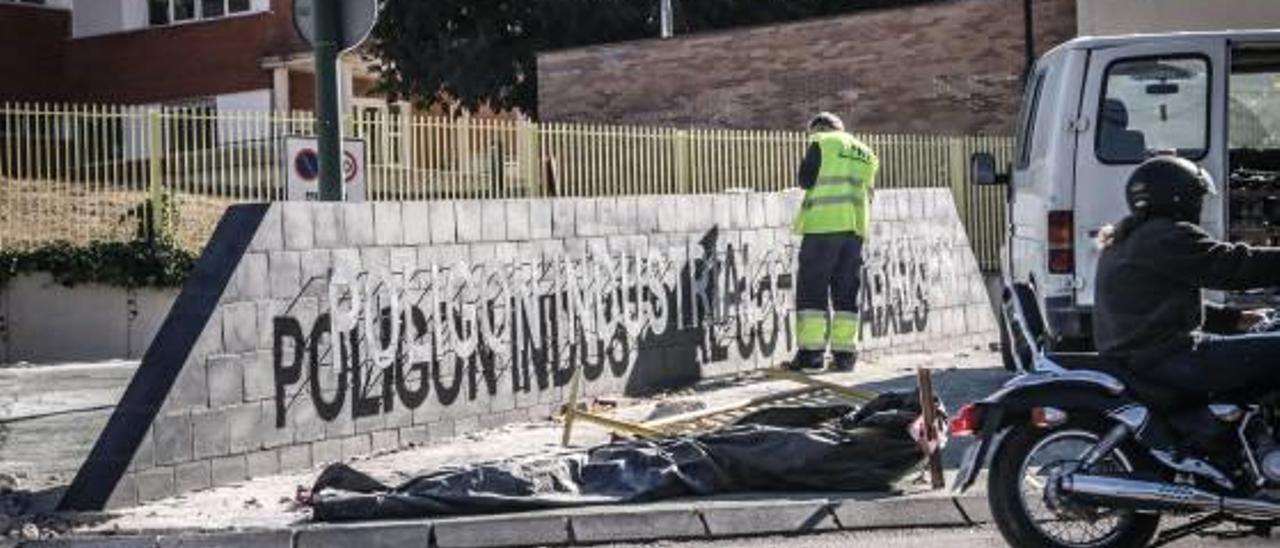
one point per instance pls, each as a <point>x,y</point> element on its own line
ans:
<point>982,537</point>
<point>50,417</point>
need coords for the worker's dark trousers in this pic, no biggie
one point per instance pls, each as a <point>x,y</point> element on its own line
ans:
<point>830,275</point>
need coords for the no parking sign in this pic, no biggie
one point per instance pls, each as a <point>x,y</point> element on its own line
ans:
<point>302,169</point>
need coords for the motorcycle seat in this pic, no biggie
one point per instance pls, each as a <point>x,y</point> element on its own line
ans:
<point>1157,396</point>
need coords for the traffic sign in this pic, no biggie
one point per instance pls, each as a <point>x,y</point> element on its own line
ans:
<point>302,169</point>
<point>306,164</point>
<point>356,21</point>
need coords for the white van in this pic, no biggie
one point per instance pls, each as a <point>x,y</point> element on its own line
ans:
<point>1093,109</point>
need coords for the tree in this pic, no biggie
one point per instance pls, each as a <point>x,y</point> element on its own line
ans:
<point>475,53</point>
<point>483,52</point>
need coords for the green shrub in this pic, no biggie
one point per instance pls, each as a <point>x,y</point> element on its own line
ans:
<point>133,264</point>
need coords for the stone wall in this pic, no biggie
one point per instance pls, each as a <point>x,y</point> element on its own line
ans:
<point>92,322</point>
<point>951,68</point>
<point>312,333</point>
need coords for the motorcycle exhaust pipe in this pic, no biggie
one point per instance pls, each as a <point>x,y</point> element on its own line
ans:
<point>1148,495</point>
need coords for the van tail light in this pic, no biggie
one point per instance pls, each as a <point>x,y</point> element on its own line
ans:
<point>1062,255</point>
<point>967,422</point>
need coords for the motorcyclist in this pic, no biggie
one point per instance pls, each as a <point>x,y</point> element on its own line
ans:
<point>1148,311</point>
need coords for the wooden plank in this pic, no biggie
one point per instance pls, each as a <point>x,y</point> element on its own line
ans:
<point>727,408</point>
<point>571,410</point>
<point>621,426</point>
<point>924,377</point>
<point>856,393</point>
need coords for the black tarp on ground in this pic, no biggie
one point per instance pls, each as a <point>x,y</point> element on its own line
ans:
<point>774,449</point>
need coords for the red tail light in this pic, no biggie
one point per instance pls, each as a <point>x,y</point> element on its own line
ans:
<point>967,422</point>
<point>1061,261</point>
<point>1062,257</point>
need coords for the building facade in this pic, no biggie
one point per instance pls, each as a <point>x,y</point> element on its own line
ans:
<point>226,55</point>
<point>951,67</point>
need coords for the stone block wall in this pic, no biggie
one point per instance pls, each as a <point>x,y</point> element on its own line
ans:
<point>340,330</point>
<point>922,289</point>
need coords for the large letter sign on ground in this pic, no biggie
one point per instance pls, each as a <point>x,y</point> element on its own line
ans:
<point>314,332</point>
<point>302,169</point>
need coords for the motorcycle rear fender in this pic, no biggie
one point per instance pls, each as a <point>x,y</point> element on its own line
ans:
<point>1075,392</point>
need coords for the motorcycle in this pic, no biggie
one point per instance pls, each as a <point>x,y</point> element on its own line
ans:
<point>1083,454</point>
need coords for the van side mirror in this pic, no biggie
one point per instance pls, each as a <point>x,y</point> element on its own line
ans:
<point>982,170</point>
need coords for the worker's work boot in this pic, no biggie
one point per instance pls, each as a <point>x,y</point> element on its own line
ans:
<point>805,360</point>
<point>843,362</point>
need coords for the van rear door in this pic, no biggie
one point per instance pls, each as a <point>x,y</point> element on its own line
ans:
<point>1139,99</point>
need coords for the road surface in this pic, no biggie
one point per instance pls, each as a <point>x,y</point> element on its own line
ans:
<point>982,537</point>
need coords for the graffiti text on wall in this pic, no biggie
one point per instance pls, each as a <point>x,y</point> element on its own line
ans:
<point>365,342</point>
<point>902,282</point>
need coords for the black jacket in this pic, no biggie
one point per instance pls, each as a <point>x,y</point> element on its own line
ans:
<point>809,167</point>
<point>1147,302</point>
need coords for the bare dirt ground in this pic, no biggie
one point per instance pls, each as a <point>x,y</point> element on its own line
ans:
<point>36,212</point>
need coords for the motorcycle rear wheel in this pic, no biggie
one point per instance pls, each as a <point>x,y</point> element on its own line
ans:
<point>1030,515</point>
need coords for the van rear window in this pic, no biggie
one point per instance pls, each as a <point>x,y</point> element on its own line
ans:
<point>1154,103</point>
<point>1027,119</point>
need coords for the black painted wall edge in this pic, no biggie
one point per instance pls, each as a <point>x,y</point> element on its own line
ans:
<point>163,361</point>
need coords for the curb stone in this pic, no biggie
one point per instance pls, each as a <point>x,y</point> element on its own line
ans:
<point>379,534</point>
<point>730,520</point>
<point>638,526</point>
<point>975,508</point>
<point>97,542</point>
<point>366,535</point>
<point>503,531</point>
<point>899,513</point>
<point>261,539</point>
<point>704,519</point>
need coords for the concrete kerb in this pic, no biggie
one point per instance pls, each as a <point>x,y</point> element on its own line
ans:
<point>768,517</point>
<point>533,529</point>
<point>638,524</point>
<point>263,539</point>
<point>674,520</point>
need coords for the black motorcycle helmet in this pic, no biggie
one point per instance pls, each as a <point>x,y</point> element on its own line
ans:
<point>1168,186</point>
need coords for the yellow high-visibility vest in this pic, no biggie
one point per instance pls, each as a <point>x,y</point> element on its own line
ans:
<point>840,199</point>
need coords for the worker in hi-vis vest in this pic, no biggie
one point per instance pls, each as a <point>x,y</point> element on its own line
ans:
<point>837,175</point>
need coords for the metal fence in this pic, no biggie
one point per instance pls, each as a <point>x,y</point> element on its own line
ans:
<point>75,172</point>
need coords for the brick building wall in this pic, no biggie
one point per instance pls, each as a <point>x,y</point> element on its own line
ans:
<point>952,67</point>
<point>181,61</point>
<point>31,56</point>
<point>42,62</point>
<point>302,91</point>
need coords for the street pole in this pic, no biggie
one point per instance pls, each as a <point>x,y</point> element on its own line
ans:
<point>1028,23</point>
<point>329,127</point>
<point>666,19</point>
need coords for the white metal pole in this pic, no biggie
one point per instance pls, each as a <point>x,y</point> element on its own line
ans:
<point>666,18</point>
